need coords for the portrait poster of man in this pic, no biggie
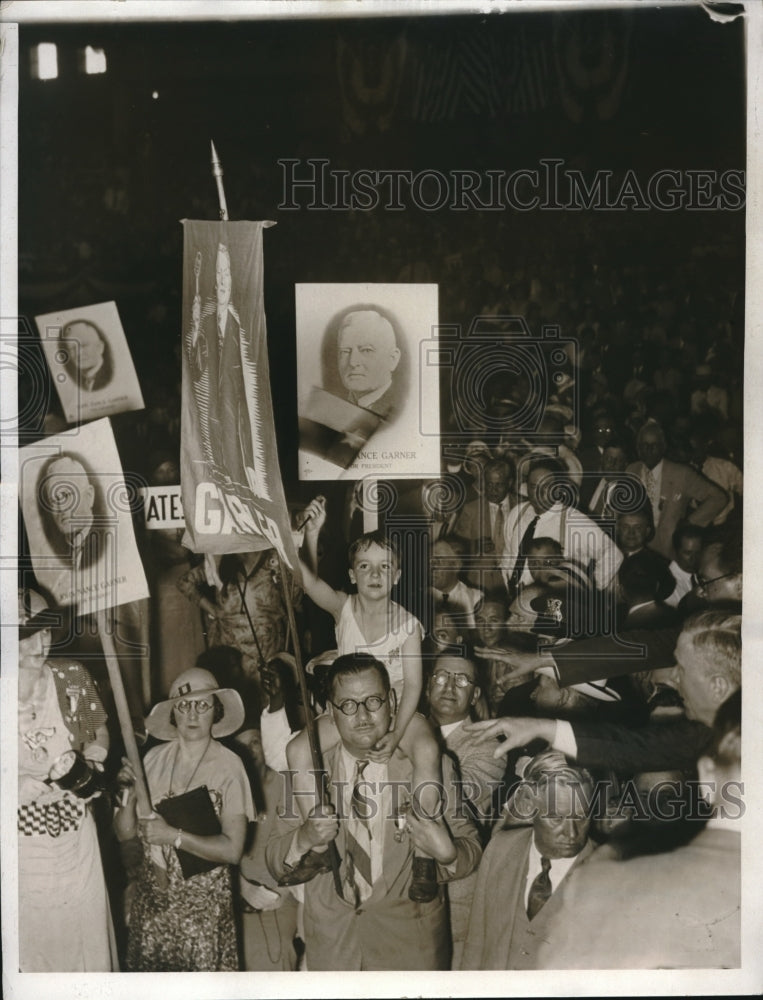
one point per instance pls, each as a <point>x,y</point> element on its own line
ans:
<point>90,362</point>
<point>361,384</point>
<point>77,517</point>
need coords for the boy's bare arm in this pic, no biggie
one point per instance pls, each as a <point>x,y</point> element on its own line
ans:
<point>317,590</point>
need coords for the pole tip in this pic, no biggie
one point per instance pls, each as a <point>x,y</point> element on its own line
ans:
<point>215,157</point>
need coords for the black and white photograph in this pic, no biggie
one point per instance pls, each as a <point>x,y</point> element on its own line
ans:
<point>379,461</point>
<point>76,509</point>
<point>90,362</point>
<point>365,416</point>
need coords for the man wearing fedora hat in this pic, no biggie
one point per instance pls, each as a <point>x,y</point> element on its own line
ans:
<point>168,901</point>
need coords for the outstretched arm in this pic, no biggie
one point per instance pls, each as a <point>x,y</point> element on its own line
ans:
<point>330,600</point>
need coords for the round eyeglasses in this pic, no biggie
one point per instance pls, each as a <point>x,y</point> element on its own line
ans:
<point>702,582</point>
<point>350,707</point>
<point>443,677</point>
<point>185,705</point>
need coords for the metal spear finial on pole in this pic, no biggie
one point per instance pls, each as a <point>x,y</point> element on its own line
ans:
<point>217,171</point>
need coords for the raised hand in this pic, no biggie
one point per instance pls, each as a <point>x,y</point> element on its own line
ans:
<point>516,732</point>
<point>313,517</point>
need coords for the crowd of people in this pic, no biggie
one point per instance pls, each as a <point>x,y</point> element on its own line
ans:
<point>522,690</point>
<point>518,741</point>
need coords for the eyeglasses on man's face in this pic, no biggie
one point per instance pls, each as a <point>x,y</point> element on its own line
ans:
<point>443,677</point>
<point>350,706</point>
<point>702,582</point>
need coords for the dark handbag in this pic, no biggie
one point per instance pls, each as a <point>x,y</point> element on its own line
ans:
<point>192,812</point>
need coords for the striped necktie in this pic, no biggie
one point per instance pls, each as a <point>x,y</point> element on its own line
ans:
<point>359,876</point>
<point>540,890</point>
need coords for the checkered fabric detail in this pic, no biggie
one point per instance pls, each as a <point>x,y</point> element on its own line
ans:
<point>53,819</point>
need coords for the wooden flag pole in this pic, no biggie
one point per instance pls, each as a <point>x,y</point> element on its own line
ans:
<point>310,726</point>
<point>123,714</point>
<point>316,756</point>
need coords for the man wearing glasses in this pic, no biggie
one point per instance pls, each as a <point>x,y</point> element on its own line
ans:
<point>372,925</point>
<point>453,692</point>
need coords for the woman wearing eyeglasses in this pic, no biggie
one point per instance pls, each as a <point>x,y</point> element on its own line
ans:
<point>180,922</point>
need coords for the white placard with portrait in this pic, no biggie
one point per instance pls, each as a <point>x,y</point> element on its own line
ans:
<point>90,362</point>
<point>368,401</point>
<point>77,513</point>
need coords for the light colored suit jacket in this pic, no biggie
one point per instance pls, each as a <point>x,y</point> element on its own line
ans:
<point>474,524</point>
<point>678,910</point>
<point>681,486</point>
<point>500,936</point>
<point>480,774</point>
<point>389,931</point>
<point>479,770</point>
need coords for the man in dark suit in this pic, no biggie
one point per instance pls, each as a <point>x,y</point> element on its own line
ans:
<point>521,881</point>
<point>614,485</point>
<point>373,925</point>
<point>708,670</point>
<point>642,587</point>
<point>67,500</point>
<point>681,908</point>
<point>89,356</point>
<point>591,455</point>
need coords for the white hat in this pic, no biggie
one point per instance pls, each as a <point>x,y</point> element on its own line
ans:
<point>196,682</point>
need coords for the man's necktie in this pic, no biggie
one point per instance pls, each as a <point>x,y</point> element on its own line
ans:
<point>540,890</point>
<point>653,494</point>
<point>498,539</point>
<point>359,875</point>
<point>519,565</point>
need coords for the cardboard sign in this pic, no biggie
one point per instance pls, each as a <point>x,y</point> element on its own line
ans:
<point>369,400</point>
<point>78,519</point>
<point>163,507</point>
<point>90,362</point>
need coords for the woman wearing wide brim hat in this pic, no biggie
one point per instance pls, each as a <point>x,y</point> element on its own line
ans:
<point>180,922</point>
<point>161,721</point>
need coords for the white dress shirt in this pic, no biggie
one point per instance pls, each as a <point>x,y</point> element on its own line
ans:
<point>460,601</point>
<point>559,868</point>
<point>580,537</point>
<point>683,584</point>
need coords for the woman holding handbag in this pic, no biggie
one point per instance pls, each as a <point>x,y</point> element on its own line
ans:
<point>181,915</point>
